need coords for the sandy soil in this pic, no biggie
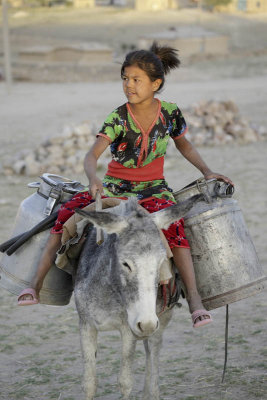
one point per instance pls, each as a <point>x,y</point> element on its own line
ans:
<point>40,352</point>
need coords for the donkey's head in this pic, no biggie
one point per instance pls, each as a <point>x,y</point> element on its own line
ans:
<point>139,255</point>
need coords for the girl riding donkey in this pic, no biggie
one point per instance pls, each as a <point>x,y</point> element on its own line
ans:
<point>138,134</point>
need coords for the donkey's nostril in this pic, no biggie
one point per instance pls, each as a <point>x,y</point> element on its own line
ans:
<point>148,327</point>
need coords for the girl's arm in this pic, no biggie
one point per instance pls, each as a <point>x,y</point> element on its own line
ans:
<point>191,154</point>
<point>90,165</point>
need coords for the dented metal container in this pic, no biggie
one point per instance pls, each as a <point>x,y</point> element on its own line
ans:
<point>226,264</point>
<point>18,269</point>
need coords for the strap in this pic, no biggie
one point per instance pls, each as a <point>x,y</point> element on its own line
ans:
<point>13,244</point>
<point>98,207</point>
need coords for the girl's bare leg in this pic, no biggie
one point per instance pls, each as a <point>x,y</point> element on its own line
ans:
<point>183,261</point>
<point>46,261</point>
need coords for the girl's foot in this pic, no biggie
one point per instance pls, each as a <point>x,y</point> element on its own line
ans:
<point>200,316</point>
<point>28,297</point>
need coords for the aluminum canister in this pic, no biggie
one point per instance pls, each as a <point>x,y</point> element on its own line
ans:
<point>226,264</point>
<point>18,269</point>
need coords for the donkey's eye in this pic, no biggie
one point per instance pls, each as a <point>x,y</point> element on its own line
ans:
<point>125,264</point>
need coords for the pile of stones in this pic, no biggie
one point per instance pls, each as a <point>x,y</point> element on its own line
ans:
<point>210,123</point>
<point>217,123</point>
<point>61,155</point>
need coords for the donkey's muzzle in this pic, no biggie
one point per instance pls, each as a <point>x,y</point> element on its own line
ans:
<point>146,328</point>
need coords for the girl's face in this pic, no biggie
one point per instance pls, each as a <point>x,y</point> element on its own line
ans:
<point>137,86</point>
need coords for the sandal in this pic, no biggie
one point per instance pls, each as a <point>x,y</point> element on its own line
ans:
<point>28,302</point>
<point>201,313</point>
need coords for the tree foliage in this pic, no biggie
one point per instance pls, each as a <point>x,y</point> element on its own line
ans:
<point>215,3</point>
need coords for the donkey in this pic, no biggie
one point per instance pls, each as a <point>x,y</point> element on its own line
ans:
<point>116,288</point>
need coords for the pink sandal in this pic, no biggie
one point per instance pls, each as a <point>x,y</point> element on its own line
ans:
<point>200,313</point>
<point>28,302</point>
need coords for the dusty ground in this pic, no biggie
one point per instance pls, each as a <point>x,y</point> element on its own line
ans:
<point>40,353</point>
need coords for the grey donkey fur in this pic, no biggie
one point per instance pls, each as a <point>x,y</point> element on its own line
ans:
<point>116,288</point>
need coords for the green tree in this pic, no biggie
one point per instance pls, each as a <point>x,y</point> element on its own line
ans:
<point>214,3</point>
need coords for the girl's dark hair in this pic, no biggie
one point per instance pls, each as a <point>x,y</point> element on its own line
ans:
<point>156,62</point>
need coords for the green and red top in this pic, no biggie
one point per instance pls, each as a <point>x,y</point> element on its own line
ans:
<point>137,154</point>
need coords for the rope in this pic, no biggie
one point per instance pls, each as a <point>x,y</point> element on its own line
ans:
<point>226,341</point>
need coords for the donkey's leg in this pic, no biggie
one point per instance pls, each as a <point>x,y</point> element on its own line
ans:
<point>88,335</point>
<point>152,347</point>
<point>128,348</point>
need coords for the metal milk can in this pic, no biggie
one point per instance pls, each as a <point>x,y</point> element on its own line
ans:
<point>17,270</point>
<point>226,264</point>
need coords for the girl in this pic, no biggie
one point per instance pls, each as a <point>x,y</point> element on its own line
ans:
<point>138,134</point>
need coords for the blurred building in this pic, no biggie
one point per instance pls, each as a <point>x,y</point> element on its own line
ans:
<point>83,3</point>
<point>253,6</point>
<point>147,5</point>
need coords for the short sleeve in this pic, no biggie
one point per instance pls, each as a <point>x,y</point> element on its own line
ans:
<point>111,128</point>
<point>179,127</point>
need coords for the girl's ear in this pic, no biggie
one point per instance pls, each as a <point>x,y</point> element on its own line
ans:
<point>156,84</point>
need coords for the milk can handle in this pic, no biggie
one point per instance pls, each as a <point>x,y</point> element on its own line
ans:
<point>204,190</point>
<point>34,185</point>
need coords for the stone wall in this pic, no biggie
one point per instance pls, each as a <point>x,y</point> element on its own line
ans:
<point>189,41</point>
<point>89,53</point>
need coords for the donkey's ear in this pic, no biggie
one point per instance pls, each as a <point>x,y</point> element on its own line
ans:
<point>165,217</point>
<point>107,221</point>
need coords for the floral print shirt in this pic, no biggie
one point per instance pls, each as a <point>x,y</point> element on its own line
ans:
<point>133,147</point>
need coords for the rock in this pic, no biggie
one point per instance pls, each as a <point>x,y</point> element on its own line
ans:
<point>55,140</point>
<point>228,138</point>
<point>262,132</point>
<point>248,135</point>
<point>233,129</point>
<point>67,144</point>
<point>71,161</point>
<point>199,138</point>
<point>41,152</point>
<point>228,116</point>
<point>8,171</point>
<point>213,108</point>
<point>210,121</point>
<point>32,168</point>
<point>82,130</point>
<point>19,167</point>
<point>70,152</point>
<point>55,151</point>
<point>67,131</point>
<point>231,106</point>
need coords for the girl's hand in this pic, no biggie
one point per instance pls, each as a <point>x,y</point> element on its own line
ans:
<point>212,175</point>
<point>95,185</point>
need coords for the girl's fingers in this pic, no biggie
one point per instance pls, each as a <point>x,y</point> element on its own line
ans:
<point>219,177</point>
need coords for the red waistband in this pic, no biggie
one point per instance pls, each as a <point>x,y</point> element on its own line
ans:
<point>149,172</point>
